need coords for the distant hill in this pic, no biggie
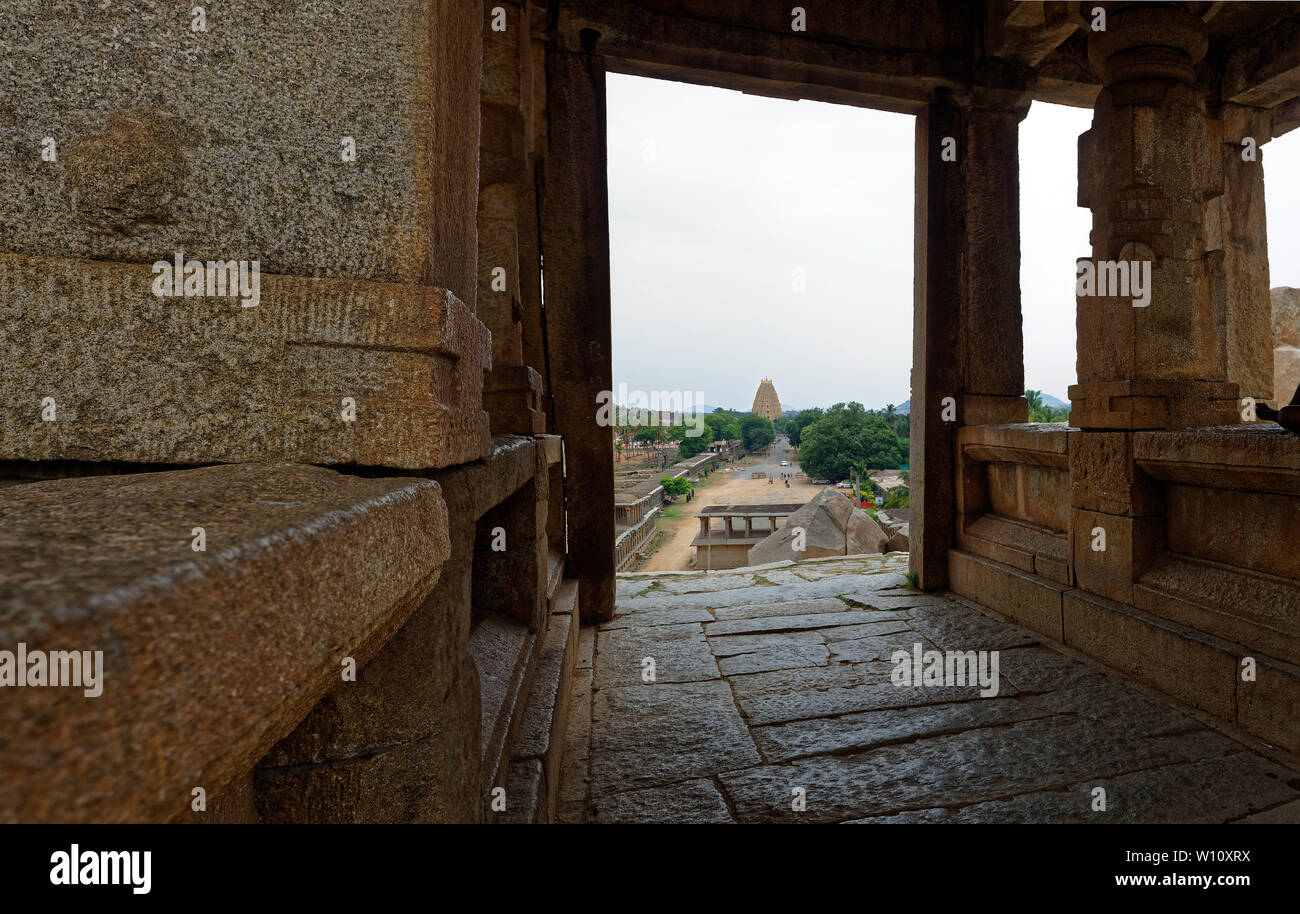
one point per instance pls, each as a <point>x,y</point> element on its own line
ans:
<point>1048,400</point>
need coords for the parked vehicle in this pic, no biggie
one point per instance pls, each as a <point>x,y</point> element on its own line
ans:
<point>844,484</point>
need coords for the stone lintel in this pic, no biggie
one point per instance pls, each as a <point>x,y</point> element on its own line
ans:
<point>512,395</point>
<point>139,378</point>
<point>981,409</point>
<point>210,656</point>
<point>1036,443</point>
<point>1153,404</point>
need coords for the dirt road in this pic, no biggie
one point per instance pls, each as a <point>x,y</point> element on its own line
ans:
<point>725,487</point>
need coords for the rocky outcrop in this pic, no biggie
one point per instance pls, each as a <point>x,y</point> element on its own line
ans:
<point>895,526</point>
<point>830,526</point>
<point>1286,342</point>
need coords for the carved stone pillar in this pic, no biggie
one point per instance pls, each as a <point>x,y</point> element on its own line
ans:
<point>1152,352</point>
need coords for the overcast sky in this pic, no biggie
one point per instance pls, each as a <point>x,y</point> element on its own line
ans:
<point>722,203</point>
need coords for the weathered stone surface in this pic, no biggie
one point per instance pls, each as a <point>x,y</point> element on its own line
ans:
<point>958,627</point>
<point>105,563</point>
<point>525,794</point>
<point>690,802</point>
<point>774,658</point>
<point>680,654</point>
<point>1286,374</point>
<point>824,735</point>
<point>842,688</point>
<point>574,770</point>
<point>1210,791</point>
<point>794,608</point>
<point>646,736</point>
<point>1026,598</point>
<point>501,648</point>
<point>1041,669</point>
<point>1286,814</point>
<point>831,525</point>
<point>138,378</point>
<point>1180,662</point>
<point>877,647</point>
<point>949,770</point>
<point>654,617</point>
<point>245,161</point>
<point>793,623</point>
<point>730,645</point>
<point>865,630</point>
<point>866,750</point>
<point>1116,704</point>
<point>1286,316</point>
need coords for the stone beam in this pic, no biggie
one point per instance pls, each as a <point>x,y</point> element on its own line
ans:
<point>330,371</point>
<point>1026,32</point>
<point>210,656</point>
<point>575,250</point>
<point>740,46</point>
<point>1264,71</point>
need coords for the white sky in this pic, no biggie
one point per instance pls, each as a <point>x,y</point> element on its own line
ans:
<point>716,198</point>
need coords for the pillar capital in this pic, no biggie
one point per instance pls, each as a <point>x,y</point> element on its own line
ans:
<point>1144,48</point>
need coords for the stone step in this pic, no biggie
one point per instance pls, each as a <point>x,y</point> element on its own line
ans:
<point>502,649</point>
<point>533,781</point>
<point>303,567</point>
<point>554,572</point>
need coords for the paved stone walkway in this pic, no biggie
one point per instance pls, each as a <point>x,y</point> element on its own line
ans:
<point>774,685</point>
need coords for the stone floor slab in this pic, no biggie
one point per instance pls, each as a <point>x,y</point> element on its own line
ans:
<point>695,802</point>
<point>942,771</point>
<point>777,658</point>
<point>679,652</point>
<point>645,736</point>
<point>791,623</point>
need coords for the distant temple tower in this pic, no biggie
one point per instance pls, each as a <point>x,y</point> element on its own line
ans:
<point>766,403</point>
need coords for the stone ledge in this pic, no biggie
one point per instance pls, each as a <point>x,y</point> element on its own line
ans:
<point>1034,443</point>
<point>209,657</point>
<point>1030,600</point>
<point>1253,457</point>
<point>1189,665</point>
<point>190,380</point>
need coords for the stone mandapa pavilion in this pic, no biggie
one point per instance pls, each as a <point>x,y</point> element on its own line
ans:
<point>336,546</point>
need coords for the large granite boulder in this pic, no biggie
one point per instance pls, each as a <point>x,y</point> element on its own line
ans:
<point>824,521</point>
<point>1286,316</point>
<point>1286,339</point>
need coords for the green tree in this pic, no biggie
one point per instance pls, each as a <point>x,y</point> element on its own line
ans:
<point>1039,411</point>
<point>675,485</point>
<point>651,433</point>
<point>692,446</point>
<point>805,418</point>
<point>756,431</point>
<point>847,436</point>
<point>724,426</point>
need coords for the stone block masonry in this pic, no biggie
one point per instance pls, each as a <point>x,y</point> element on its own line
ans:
<point>329,371</point>
<point>210,656</point>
